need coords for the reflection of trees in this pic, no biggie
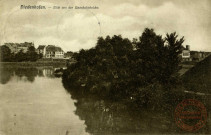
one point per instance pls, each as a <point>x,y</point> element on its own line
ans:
<point>28,72</point>
<point>109,117</point>
<point>5,75</point>
<point>105,117</point>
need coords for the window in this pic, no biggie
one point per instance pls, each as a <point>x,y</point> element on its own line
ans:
<point>186,54</point>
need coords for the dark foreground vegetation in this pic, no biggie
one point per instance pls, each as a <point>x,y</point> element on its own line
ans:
<point>144,71</point>
<point>131,87</point>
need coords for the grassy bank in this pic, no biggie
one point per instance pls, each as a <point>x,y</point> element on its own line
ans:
<point>198,78</point>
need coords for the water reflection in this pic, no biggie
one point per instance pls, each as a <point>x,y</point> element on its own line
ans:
<point>34,102</point>
<point>25,73</point>
<point>109,117</point>
<point>105,117</point>
<point>44,105</point>
<point>5,75</point>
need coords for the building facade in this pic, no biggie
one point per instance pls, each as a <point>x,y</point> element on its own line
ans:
<point>198,56</point>
<point>50,51</point>
<point>16,47</point>
<point>186,54</point>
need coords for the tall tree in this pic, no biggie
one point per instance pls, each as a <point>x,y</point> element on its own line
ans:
<point>32,54</point>
<point>20,56</point>
<point>159,57</point>
<point>173,59</point>
<point>5,53</point>
<point>150,51</point>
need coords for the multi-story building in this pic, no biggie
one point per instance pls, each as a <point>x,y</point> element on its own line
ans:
<point>186,54</point>
<point>50,51</point>
<point>16,47</point>
<point>198,56</point>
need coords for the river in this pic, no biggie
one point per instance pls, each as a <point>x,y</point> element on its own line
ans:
<point>34,102</point>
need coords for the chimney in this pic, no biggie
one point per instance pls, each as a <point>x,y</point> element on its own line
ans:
<point>188,47</point>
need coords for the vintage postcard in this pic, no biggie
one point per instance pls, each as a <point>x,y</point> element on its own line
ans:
<point>105,67</point>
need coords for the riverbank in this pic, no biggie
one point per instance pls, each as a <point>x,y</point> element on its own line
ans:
<point>33,64</point>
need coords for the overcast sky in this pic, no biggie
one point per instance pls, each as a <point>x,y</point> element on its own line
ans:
<point>77,29</point>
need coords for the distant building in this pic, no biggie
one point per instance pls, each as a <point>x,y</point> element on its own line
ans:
<point>52,51</point>
<point>186,54</point>
<point>16,47</point>
<point>198,56</point>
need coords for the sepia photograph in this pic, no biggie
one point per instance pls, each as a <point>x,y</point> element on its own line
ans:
<point>105,67</point>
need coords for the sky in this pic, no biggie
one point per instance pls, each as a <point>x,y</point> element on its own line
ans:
<point>77,29</point>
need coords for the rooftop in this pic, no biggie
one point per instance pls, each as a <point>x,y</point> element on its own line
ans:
<point>53,48</point>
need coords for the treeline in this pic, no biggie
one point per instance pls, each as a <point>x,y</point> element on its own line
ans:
<point>7,56</point>
<point>140,71</point>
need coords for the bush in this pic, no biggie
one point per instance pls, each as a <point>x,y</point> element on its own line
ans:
<point>119,69</point>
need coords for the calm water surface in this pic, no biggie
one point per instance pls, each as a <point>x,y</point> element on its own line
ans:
<point>34,102</point>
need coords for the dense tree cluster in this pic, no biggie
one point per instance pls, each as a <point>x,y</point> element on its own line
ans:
<point>7,56</point>
<point>123,70</point>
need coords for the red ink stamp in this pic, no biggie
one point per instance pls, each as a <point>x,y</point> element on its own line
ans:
<point>190,115</point>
